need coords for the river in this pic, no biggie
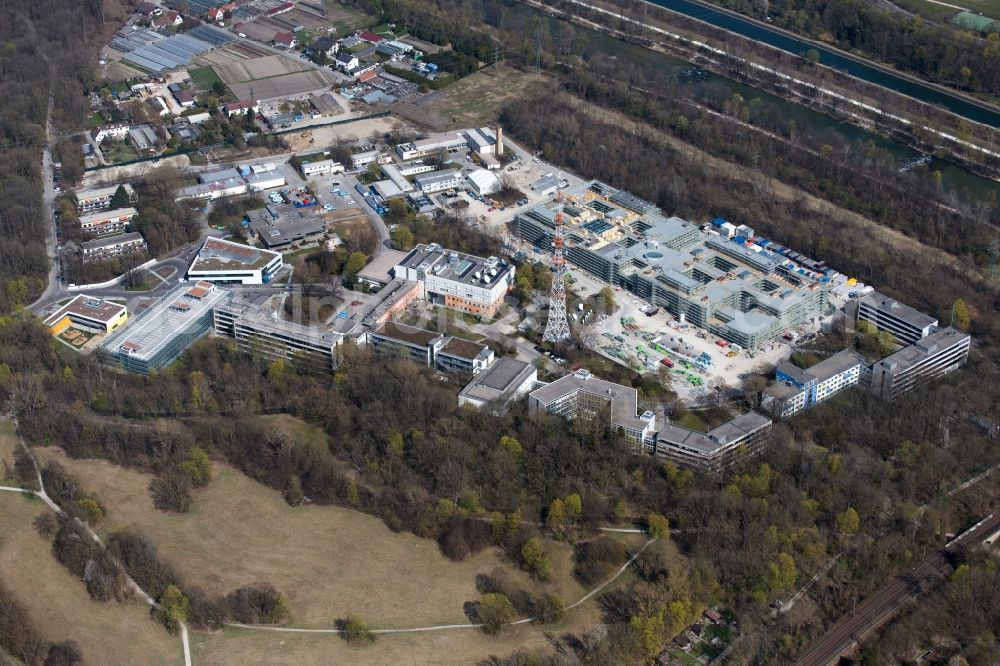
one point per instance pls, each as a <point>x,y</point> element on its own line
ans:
<point>808,123</point>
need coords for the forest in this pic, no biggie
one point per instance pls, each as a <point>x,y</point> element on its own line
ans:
<point>950,56</point>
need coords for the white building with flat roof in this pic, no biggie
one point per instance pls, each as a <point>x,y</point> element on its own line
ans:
<point>156,337</point>
<point>100,198</point>
<point>439,181</point>
<point>938,353</point>
<point>456,280</point>
<point>504,382</point>
<point>258,331</point>
<point>108,221</point>
<point>224,261</point>
<point>798,389</point>
<point>887,314</point>
<point>431,145</point>
<point>581,394</point>
<point>723,446</point>
<point>321,167</point>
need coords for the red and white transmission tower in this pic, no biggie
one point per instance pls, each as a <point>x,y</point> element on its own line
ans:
<point>557,327</point>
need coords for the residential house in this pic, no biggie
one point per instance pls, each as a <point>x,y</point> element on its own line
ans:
<point>241,108</point>
<point>116,131</point>
<point>327,46</point>
<point>285,39</point>
<point>347,61</point>
<point>185,98</point>
<point>148,9</point>
<point>370,37</point>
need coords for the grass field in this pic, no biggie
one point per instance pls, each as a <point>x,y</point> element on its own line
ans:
<point>204,78</point>
<point>60,608</point>
<point>8,442</point>
<point>477,99</point>
<point>328,560</point>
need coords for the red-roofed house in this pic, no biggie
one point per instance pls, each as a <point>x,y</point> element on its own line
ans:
<point>240,108</point>
<point>216,14</point>
<point>285,39</point>
<point>173,18</point>
<point>281,9</point>
<point>370,37</point>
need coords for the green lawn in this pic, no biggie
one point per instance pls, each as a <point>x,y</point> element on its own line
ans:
<point>929,10</point>
<point>989,8</point>
<point>692,421</point>
<point>122,151</point>
<point>204,78</point>
<point>382,30</point>
<point>95,119</point>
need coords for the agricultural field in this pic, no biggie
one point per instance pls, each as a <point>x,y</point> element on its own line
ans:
<point>258,68</point>
<point>204,78</point>
<point>59,605</point>
<point>476,100</point>
<point>287,85</point>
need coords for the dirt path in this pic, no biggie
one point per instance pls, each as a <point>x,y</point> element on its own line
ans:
<point>93,535</point>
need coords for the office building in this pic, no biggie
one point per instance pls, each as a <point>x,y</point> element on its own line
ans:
<point>277,228</point>
<point>262,332</point>
<point>88,312</point>
<point>224,261</point>
<point>100,198</point>
<point>378,272</point>
<point>888,314</point>
<point>156,337</point>
<point>719,448</point>
<point>735,288</point>
<point>482,140</point>
<point>321,167</point>
<point>502,383</point>
<point>393,173</point>
<point>458,281</point>
<point>799,389</point>
<point>215,189</point>
<point>442,352</point>
<point>581,394</point>
<point>106,222</point>
<point>938,353</point>
<point>431,146</point>
<point>110,247</point>
<point>258,182</point>
<point>438,181</point>
<point>361,160</point>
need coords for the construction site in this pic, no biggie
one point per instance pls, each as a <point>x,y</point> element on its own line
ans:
<point>708,303</point>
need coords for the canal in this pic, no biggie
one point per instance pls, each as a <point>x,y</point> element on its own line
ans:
<point>814,125</point>
<point>957,104</point>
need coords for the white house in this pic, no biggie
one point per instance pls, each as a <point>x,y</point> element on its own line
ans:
<point>347,61</point>
<point>115,131</point>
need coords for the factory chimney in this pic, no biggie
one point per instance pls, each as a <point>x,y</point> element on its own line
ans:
<point>499,149</point>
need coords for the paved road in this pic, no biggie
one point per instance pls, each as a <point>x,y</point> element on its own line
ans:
<point>48,207</point>
<point>885,602</point>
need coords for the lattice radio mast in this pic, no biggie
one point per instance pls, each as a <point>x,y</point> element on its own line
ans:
<point>557,327</point>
